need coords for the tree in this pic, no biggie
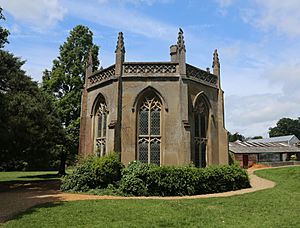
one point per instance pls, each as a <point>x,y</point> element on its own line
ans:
<point>29,128</point>
<point>234,137</point>
<point>286,126</point>
<point>3,32</point>
<point>256,137</point>
<point>65,83</point>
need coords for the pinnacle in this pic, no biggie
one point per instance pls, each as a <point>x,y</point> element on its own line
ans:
<point>180,42</point>
<point>120,43</point>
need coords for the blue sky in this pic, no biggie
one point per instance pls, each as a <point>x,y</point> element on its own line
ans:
<point>258,43</point>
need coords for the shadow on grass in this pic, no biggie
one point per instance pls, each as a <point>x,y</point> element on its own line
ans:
<point>23,184</point>
<point>48,202</point>
<point>42,176</point>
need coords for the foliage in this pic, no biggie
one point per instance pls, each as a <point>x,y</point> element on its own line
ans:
<point>94,172</point>
<point>82,178</point>
<point>275,207</point>
<point>231,159</point>
<point>110,190</point>
<point>65,82</point>
<point>236,136</point>
<point>144,179</point>
<point>29,127</point>
<point>107,170</point>
<point>256,137</point>
<point>3,32</point>
<point>286,126</point>
<point>132,182</point>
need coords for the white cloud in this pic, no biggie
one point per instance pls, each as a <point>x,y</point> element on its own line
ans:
<point>283,16</point>
<point>254,114</point>
<point>224,3</point>
<point>137,2</point>
<point>118,17</point>
<point>267,15</point>
<point>41,13</point>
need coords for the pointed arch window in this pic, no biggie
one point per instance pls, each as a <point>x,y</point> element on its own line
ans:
<point>101,128</point>
<point>149,130</point>
<point>200,134</point>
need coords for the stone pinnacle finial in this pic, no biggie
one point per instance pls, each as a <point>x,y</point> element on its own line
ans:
<point>180,42</point>
<point>216,62</point>
<point>120,44</point>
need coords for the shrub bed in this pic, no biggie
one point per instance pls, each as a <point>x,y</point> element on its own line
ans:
<point>107,174</point>
<point>150,180</point>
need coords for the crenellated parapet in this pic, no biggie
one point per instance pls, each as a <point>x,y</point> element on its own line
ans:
<point>102,75</point>
<point>148,69</point>
<point>158,68</point>
<point>136,69</point>
<point>201,75</point>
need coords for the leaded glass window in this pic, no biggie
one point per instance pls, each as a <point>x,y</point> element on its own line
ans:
<point>149,130</point>
<point>200,133</point>
<point>100,127</point>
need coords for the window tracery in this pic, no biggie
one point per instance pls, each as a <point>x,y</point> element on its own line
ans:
<point>149,130</point>
<point>101,128</point>
<point>200,133</point>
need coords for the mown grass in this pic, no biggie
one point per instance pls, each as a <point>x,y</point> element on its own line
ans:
<point>277,207</point>
<point>28,176</point>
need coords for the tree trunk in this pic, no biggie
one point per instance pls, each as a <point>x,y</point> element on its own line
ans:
<point>62,165</point>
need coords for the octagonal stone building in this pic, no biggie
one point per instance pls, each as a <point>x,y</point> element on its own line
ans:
<point>167,113</point>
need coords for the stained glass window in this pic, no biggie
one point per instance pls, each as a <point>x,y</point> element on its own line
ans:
<point>149,138</point>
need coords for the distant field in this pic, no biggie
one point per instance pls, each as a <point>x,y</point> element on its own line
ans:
<point>276,207</point>
<point>28,176</point>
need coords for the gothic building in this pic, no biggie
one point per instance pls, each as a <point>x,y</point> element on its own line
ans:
<point>167,113</point>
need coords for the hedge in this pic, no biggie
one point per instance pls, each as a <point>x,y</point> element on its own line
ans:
<point>141,179</point>
<point>150,180</point>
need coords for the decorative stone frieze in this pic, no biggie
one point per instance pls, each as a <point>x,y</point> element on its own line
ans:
<point>102,75</point>
<point>198,74</point>
<point>150,68</point>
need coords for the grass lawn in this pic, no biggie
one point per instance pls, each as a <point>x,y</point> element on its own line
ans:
<point>277,207</point>
<point>28,176</point>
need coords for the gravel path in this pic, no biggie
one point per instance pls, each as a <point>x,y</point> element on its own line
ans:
<point>18,197</point>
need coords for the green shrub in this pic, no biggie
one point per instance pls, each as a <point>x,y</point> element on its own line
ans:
<point>171,181</point>
<point>108,175</point>
<point>107,170</point>
<point>133,179</point>
<point>93,172</point>
<point>231,158</point>
<point>82,178</point>
<point>144,179</point>
<point>132,185</point>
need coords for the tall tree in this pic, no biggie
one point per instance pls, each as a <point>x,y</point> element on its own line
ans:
<point>3,32</point>
<point>65,82</point>
<point>29,129</point>
<point>286,126</point>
